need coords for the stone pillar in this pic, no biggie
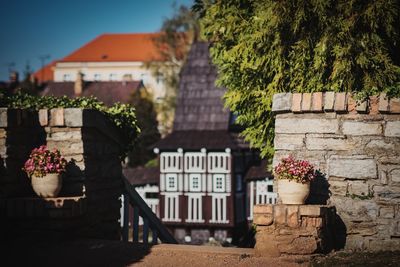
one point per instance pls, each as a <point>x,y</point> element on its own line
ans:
<point>78,85</point>
<point>88,204</point>
<point>356,147</point>
<point>293,229</point>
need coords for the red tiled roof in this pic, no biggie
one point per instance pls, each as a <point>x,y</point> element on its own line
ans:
<point>106,92</point>
<point>118,47</point>
<point>46,73</point>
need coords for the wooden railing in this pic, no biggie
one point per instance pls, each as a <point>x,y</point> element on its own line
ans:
<point>150,221</point>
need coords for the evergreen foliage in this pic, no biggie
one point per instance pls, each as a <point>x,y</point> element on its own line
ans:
<point>263,47</point>
<point>147,122</point>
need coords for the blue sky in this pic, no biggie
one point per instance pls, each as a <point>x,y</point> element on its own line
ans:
<point>30,29</point>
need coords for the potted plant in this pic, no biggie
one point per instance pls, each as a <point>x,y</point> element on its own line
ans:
<point>293,180</point>
<point>44,167</point>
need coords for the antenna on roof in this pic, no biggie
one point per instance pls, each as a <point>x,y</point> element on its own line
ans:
<point>10,67</point>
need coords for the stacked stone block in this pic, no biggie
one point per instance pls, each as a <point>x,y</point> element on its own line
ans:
<point>356,146</point>
<point>91,144</point>
<point>293,229</point>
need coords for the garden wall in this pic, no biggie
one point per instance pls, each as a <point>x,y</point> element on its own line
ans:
<point>357,148</point>
<point>88,204</point>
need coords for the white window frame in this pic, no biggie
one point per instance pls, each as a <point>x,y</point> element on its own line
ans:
<point>113,77</point>
<point>170,157</point>
<point>67,77</point>
<point>168,187</point>
<point>97,77</point>
<point>144,77</point>
<point>171,207</point>
<point>192,176</point>
<point>216,177</point>
<point>160,78</point>
<point>219,162</point>
<point>219,208</point>
<point>257,198</point>
<point>195,207</point>
<point>266,197</point>
<point>191,159</point>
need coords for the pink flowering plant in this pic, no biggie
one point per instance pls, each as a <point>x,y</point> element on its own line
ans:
<point>43,161</point>
<point>301,171</point>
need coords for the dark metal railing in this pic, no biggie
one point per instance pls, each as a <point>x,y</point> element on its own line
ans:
<point>151,222</point>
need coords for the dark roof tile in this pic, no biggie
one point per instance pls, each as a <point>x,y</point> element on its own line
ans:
<point>258,171</point>
<point>195,140</point>
<point>107,92</point>
<point>142,175</point>
<point>199,101</point>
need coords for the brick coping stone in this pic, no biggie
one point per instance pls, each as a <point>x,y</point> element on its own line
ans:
<point>333,102</point>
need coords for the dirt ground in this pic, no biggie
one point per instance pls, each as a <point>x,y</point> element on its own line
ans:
<point>23,252</point>
<point>115,253</point>
<point>202,256</point>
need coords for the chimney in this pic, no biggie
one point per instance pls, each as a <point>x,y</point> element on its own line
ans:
<point>33,79</point>
<point>14,77</point>
<point>78,86</point>
<point>126,78</point>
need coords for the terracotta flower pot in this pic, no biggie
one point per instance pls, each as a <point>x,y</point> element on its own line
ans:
<point>48,185</point>
<point>292,192</point>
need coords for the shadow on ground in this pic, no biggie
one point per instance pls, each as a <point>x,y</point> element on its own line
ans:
<point>81,252</point>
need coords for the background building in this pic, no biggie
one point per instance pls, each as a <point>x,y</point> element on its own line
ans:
<point>203,161</point>
<point>260,187</point>
<point>112,57</point>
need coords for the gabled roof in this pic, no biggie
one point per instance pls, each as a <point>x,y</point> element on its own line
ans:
<point>201,121</point>
<point>107,92</point>
<point>199,102</point>
<point>142,175</point>
<point>46,73</point>
<point>118,47</point>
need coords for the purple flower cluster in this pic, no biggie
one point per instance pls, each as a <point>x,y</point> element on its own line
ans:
<point>43,161</point>
<point>300,171</point>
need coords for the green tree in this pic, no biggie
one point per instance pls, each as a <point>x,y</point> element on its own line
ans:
<point>28,85</point>
<point>177,35</point>
<point>147,122</point>
<point>262,47</point>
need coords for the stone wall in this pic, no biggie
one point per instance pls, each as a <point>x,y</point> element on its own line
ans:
<point>357,148</point>
<point>88,204</point>
<point>293,229</point>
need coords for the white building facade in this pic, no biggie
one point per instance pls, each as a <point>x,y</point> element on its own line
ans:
<point>112,71</point>
<point>192,183</point>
